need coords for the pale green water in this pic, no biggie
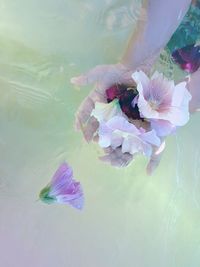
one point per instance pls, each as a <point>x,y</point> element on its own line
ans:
<point>129,219</point>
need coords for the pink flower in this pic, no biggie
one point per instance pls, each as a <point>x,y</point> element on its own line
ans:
<point>117,132</point>
<point>63,189</point>
<point>163,103</point>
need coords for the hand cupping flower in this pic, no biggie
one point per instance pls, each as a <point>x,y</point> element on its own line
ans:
<point>116,131</point>
<point>129,113</point>
<point>136,119</point>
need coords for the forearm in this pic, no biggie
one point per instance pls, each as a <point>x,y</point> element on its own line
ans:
<point>159,20</point>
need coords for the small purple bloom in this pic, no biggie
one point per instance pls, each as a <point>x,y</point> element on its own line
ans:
<point>63,189</point>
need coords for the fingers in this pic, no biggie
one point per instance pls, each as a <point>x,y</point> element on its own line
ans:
<point>90,129</point>
<point>153,164</point>
<point>106,75</point>
<point>155,159</point>
<point>83,120</point>
<point>116,158</point>
<point>86,107</point>
<point>92,76</point>
<point>83,113</point>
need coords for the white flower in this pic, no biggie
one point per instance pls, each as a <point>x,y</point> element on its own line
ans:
<point>119,132</point>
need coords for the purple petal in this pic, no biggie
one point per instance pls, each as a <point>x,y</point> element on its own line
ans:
<point>77,203</point>
<point>162,127</point>
<point>63,173</point>
<point>72,196</point>
<point>151,138</point>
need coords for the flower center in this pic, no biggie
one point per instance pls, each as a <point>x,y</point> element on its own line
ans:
<point>125,95</point>
<point>153,104</point>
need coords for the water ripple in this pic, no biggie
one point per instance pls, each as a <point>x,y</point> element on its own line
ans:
<point>118,16</point>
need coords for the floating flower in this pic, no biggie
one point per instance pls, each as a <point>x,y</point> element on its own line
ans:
<point>163,103</point>
<point>63,189</point>
<point>117,132</point>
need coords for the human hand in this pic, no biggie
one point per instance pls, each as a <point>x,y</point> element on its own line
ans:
<point>103,77</point>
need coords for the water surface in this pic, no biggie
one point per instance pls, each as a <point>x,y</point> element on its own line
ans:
<point>129,219</point>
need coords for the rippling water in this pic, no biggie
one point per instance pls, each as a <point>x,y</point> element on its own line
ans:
<point>129,219</point>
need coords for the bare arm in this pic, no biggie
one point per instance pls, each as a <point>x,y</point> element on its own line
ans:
<point>159,20</point>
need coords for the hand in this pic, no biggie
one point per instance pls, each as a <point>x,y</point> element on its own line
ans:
<point>105,76</point>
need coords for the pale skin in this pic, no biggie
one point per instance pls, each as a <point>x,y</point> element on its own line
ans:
<point>152,34</point>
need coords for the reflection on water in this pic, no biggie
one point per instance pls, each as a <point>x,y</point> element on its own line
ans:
<point>129,219</point>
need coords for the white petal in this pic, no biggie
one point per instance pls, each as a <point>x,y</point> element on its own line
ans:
<point>120,123</point>
<point>104,133</point>
<point>180,95</point>
<point>140,77</point>
<point>105,111</point>
<point>145,110</point>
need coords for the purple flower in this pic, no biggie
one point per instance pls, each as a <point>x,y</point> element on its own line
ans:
<point>188,58</point>
<point>163,103</point>
<point>63,189</point>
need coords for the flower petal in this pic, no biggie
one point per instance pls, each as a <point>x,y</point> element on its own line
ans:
<point>151,137</point>
<point>105,111</point>
<point>141,77</point>
<point>162,127</point>
<point>63,188</point>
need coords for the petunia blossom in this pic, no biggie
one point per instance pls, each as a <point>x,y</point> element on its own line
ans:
<point>63,189</point>
<point>118,132</point>
<point>162,102</point>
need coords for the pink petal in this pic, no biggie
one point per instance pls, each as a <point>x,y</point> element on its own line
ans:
<point>162,127</point>
<point>122,124</point>
<point>72,194</point>
<point>145,110</point>
<point>141,77</point>
<point>151,137</point>
<point>180,95</point>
